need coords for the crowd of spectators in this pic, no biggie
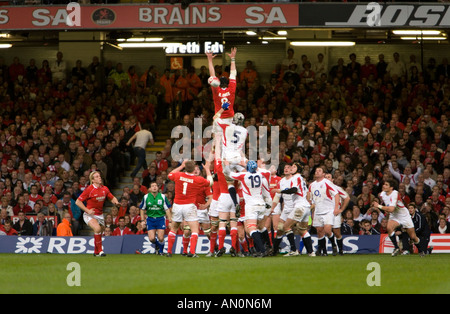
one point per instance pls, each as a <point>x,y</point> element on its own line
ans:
<point>366,122</point>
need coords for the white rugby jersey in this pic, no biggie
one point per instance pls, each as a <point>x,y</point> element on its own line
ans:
<point>234,137</point>
<point>288,199</point>
<point>394,199</point>
<point>342,194</point>
<point>253,187</point>
<point>322,195</point>
<point>299,182</point>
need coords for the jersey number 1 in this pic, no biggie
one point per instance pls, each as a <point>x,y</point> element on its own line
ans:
<point>185,184</point>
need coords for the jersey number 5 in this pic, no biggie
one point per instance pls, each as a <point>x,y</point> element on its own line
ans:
<point>236,137</point>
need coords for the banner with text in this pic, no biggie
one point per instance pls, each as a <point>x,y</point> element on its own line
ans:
<point>128,244</point>
<point>132,16</point>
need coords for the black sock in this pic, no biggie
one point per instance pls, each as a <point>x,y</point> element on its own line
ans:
<point>291,239</point>
<point>308,244</point>
<point>233,194</point>
<point>333,242</point>
<point>276,244</point>
<point>257,241</point>
<point>322,245</point>
<point>340,244</point>
<point>265,237</point>
<point>394,240</point>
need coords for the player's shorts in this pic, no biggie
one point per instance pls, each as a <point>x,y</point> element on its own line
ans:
<point>277,210</point>
<point>285,212</point>
<point>87,218</point>
<point>187,212</point>
<point>403,218</point>
<point>234,158</point>
<point>217,129</point>
<point>300,214</point>
<point>157,223</point>
<point>255,212</point>
<point>267,211</point>
<point>213,209</point>
<point>337,221</point>
<point>203,217</point>
<point>225,203</point>
<point>321,220</point>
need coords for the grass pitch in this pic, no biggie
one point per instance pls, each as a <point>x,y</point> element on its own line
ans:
<point>151,274</point>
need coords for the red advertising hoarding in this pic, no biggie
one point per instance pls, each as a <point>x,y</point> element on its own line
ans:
<point>125,16</point>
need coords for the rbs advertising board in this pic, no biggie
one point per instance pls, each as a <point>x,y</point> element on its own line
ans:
<point>128,244</point>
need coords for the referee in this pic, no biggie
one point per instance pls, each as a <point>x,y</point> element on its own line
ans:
<point>155,206</point>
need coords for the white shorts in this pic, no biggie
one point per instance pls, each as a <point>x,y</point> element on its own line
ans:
<point>100,219</point>
<point>187,212</point>
<point>234,158</point>
<point>217,129</point>
<point>225,203</point>
<point>286,212</point>
<point>203,217</point>
<point>277,210</point>
<point>337,221</point>
<point>300,214</point>
<point>267,211</point>
<point>213,209</point>
<point>321,220</point>
<point>403,218</point>
<point>255,212</point>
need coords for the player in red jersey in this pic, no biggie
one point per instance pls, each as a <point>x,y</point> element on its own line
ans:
<point>94,196</point>
<point>187,186</point>
<point>223,94</point>
<point>213,213</point>
<point>203,201</point>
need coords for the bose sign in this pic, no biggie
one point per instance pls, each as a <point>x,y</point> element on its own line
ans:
<point>374,14</point>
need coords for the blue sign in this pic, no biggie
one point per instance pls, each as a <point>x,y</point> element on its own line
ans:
<point>128,244</point>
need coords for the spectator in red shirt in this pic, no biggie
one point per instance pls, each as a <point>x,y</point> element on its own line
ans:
<point>160,163</point>
<point>122,229</point>
<point>16,70</point>
<point>22,206</point>
<point>8,229</point>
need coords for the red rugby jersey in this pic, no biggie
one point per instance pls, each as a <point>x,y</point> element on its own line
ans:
<point>187,186</point>
<point>223,95</point>
<point>95,197</point>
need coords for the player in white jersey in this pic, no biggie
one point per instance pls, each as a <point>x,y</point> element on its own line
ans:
<point>234,136</point>
<point>302,209</point>
<point>285,190</point>
<point>325,198</point>
<point>267,174</point>
<point>343,203</point>
<point>256,196</point>
<point>233,141</point>
<point>398,214</point>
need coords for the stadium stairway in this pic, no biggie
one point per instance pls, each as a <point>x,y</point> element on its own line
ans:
<point>162,133</point>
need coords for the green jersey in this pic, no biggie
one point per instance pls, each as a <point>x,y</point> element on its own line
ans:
<point>155,206</point>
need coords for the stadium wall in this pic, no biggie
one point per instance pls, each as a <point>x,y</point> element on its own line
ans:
<point>128,244</point>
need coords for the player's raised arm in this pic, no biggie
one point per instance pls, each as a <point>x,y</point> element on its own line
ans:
<point>211,56</point>
<point>232,55</point>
